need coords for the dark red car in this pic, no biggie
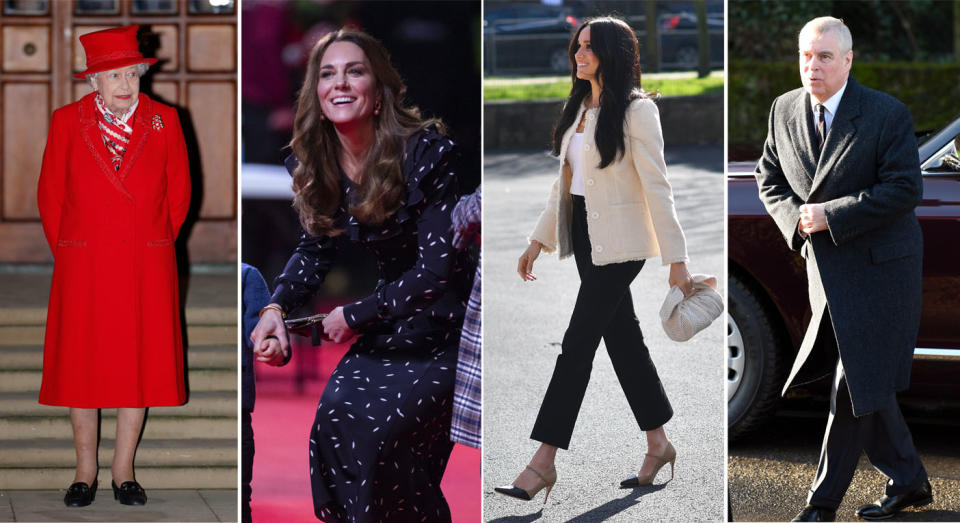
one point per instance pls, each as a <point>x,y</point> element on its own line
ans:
<point>768,309</point>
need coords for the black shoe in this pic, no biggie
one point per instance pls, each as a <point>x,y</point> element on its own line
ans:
<point>129,493</point>
<point>887,506</point>
<point>812,513</point>
<point>546,481</point>
<point>80,494</point>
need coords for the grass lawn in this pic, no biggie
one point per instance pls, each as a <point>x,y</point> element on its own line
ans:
<point>553,88</point>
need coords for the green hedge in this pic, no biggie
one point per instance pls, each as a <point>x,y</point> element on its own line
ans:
<point>931,91</point>
<point>560,89</point>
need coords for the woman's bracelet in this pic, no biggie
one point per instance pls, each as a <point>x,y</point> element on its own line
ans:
<point>275,307</point>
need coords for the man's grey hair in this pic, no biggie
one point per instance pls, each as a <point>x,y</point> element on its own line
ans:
<point>142,68</point>
<point>828,24</point>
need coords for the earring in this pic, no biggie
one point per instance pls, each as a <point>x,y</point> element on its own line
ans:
<point>377,107</point>
<point>322,117</point>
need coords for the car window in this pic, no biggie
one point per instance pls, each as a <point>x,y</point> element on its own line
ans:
<point>946,160</point>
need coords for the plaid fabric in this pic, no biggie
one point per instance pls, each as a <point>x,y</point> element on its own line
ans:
<point>114,130</point>
<point>466,220</point>
<point>466,396</point>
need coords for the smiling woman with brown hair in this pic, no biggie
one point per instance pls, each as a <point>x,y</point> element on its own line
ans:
<point>368,169</point>
<point>322,148</point>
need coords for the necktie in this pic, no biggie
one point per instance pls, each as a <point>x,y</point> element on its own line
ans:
<point>821,125</point>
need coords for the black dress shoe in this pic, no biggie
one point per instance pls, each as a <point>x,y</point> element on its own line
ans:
<point>80,494</point>
<point>887,506</point>
<point>129,493</point>
<point>812,513</point>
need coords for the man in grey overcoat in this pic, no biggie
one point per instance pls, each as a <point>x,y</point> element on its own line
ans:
<point>840,176</point>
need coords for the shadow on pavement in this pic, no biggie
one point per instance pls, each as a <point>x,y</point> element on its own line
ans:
<point>615,506</point>
<point>770,471</point>
<point>928,515</point>
<point>519,519</point>
<point>519,163</point>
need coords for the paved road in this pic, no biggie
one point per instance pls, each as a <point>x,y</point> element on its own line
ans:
<point>770,472</point>
<point>523,327</point>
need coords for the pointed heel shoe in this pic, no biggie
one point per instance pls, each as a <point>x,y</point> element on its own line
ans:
<point>670,456</point>
<point>546,481</point>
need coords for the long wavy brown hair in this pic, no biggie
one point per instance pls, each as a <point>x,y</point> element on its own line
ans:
<point>316,181</point>
<point>615,46</point>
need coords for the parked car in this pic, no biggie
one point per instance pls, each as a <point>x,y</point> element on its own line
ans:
<point>768,308</point>
<point>534,38</point>
<point>527,37</point>
<point>679,42</point>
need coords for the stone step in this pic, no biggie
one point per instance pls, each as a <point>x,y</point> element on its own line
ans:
<point>195,316</point>
<point>20,335</point>
<point>158,427</point>
<point>198,357</point>
<point>221,404</point>
<point>195,477</point>
<point>199,379</point>
<point>42,453</point>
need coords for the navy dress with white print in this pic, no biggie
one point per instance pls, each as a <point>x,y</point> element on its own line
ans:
<point>381,437</point>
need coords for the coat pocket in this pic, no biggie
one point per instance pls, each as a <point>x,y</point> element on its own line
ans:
<point>71,243</point>
<point>159,243</point>
<point>893,251</point>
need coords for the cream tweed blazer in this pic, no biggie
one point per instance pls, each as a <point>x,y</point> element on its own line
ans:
<point>630,211</point>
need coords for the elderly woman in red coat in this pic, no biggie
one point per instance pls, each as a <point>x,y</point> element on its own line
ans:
<point>114,191</point>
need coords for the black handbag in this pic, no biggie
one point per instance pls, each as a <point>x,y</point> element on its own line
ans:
<point>308,326</point>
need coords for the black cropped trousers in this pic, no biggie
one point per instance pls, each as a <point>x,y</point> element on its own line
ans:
<point>604,309</point>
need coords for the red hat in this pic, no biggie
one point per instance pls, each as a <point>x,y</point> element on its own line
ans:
<point>112,49</point>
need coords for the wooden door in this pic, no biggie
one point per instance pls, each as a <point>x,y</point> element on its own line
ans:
<point>196,43</point>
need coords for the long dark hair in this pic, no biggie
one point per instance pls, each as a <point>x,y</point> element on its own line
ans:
<point>616,48</point>
<point>316,182</point>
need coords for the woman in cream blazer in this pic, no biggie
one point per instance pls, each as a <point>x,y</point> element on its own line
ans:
<point>611,208</point>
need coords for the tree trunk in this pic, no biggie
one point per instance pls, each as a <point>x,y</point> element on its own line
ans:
<point>956,30</point>
<point>653,38</point>
<point>703,39</point>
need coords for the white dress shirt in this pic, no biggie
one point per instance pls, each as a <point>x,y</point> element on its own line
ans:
<point>829,109</point>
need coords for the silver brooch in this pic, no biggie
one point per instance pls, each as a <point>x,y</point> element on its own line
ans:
<point>157,122</point>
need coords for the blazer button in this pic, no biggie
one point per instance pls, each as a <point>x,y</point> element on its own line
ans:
<point>586,147</point>
<point>599,248</point>
<point>590,182</point>
<point>595,214</point>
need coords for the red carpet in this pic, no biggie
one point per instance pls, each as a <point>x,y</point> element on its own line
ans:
<point>281,423</point>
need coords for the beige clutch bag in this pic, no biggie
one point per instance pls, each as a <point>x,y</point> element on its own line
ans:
<point>683,317</point>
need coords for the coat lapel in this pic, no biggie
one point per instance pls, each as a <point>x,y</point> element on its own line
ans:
<point>842,133</point>
<point>141,131</point>
<point>804,135</point>
<point>91,137</point>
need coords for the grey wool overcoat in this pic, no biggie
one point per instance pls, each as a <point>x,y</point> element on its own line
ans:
<point>864,272</point>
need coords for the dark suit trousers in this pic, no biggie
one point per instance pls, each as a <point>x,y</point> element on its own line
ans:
<point>246,466</point>
<point>882,434</point>
<point>604,309</point>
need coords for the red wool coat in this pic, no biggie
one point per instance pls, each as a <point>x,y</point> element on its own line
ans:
<point>113,325</point>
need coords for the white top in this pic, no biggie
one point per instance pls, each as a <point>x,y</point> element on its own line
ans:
<point>829,108</point>
<point>575,158</point>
